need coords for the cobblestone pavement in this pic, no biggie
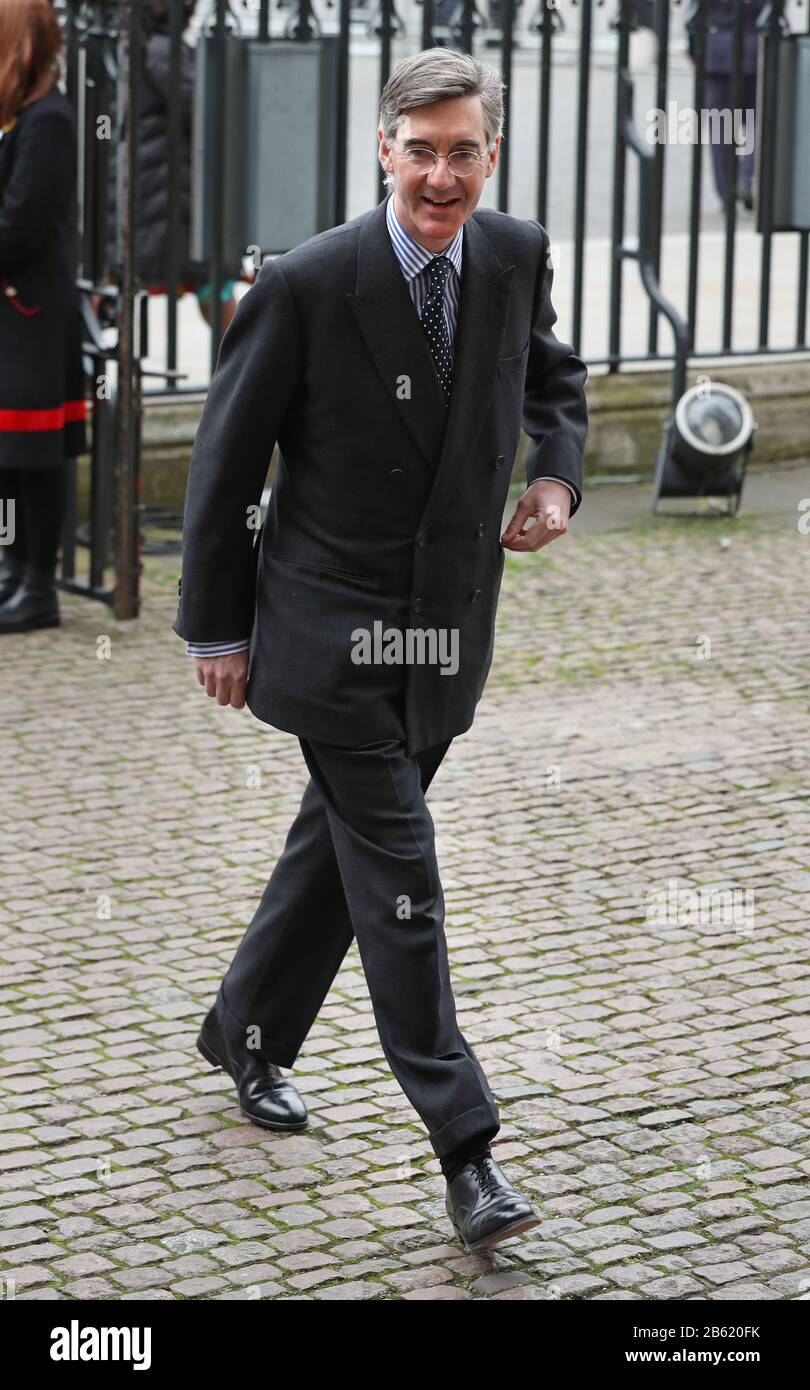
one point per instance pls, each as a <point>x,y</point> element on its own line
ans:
<point>645,723</point>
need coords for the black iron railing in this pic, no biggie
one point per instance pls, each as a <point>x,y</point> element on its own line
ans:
<point>571,158</point>
<point>537,159</point>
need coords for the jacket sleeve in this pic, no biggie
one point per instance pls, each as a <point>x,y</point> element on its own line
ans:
<point>254,381</point>
<point>555,409</point>
<point>41,182</point>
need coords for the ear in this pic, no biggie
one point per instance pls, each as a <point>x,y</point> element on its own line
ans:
<point>385,152</point>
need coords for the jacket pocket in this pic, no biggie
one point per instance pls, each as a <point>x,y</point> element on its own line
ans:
<point>513,364</point>
<point>325,569</point>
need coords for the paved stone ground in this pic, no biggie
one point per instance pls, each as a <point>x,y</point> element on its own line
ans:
<point>653,1076</point>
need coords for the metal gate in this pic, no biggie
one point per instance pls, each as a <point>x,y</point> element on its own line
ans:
<point>104,41</point>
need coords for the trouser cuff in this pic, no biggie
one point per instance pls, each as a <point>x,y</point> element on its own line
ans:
<point>482,1122</point>
<point>269,1051</point>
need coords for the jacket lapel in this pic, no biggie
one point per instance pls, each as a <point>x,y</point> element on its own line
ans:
<point>386,317</point>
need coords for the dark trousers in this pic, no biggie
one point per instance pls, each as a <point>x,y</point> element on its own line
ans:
<point>39,507</point>
<point>717,96</point>
<point>360,861</point>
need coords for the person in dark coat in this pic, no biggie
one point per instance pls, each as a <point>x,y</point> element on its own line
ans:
<point>42,405</point>
<point>718,68</point>
<point>154,174</point>
<point>393,359</point>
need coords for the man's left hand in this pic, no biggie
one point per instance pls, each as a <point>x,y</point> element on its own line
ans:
<point>549,504</point>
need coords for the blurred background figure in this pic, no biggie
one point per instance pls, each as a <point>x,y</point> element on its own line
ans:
<point>153,172</point>
<point>720,21</point>
<point>42,406</point>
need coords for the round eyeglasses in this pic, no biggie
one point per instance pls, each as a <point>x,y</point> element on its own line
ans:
<point>423,160</point>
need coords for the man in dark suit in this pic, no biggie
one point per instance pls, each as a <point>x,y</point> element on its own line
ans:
<point>393,359</point>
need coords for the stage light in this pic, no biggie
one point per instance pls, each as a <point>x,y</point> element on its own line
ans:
<point>706,446</point>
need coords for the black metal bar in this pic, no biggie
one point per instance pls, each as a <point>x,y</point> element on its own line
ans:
<point>342,113</point>
<point>768,158</point>
<point>507,52</point>
<point>102,500</point>
<point>103,478</point>
<point>661,78</point>
<point>94,99</point>
<point>762,355</point>
<point>67,568</point>
<point>173,248</point>
<point>696,184</point>
<point>216,131</point>
<point>801,297</point>
<point>385,31</point>
<point>71,47</point>
<point>128,418</point>
<point>666,359</point>
<point>731,175</point>
<point>427,23</point>
<point>624,23</point>
<point>544,121</point>
<point>581,168</point>
<point>74,93</point>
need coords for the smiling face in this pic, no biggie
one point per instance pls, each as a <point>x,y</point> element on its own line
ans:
<point>432,206</point>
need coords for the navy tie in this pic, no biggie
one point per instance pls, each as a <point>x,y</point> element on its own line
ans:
<point>435,325</point>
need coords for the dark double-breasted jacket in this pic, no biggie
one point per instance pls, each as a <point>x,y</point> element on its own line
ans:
<point>386,507</point>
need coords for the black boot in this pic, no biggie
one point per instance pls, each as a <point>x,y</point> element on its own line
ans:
<point>10,576</point>
<point>32,604</point>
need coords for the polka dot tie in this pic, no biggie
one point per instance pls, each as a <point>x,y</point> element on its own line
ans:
<point>435,325</point>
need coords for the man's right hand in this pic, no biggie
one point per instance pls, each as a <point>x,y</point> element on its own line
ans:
<point>225,677</point>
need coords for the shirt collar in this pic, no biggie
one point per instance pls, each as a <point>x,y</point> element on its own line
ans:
<point>411,256</point>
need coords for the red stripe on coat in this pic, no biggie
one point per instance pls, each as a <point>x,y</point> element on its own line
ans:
<point>34,421</point>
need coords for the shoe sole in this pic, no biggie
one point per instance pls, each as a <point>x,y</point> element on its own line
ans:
<point>29,626</point>
<point>215,1062</point>
<point>505,1233</point>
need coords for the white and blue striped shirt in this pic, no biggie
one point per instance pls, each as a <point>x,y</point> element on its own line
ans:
<point>413,261</point>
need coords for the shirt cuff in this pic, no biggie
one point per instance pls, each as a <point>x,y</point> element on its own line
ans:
<point>546,478</point>
<point>216,648</point>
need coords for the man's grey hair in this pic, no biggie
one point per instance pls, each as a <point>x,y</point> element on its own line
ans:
<point>437,74</point>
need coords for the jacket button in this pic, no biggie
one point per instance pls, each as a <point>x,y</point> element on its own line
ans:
<point>479,530</point>
<point>475,595</point>
<point>498,461</point>
<point>417,605</point>
<point>421,540</point>
<point>396,474</point>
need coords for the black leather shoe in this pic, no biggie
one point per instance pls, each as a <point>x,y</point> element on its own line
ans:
<point>32,604</point>
<point>265,1096</point>
<point>484,1207</point>
<point>10,577</point>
